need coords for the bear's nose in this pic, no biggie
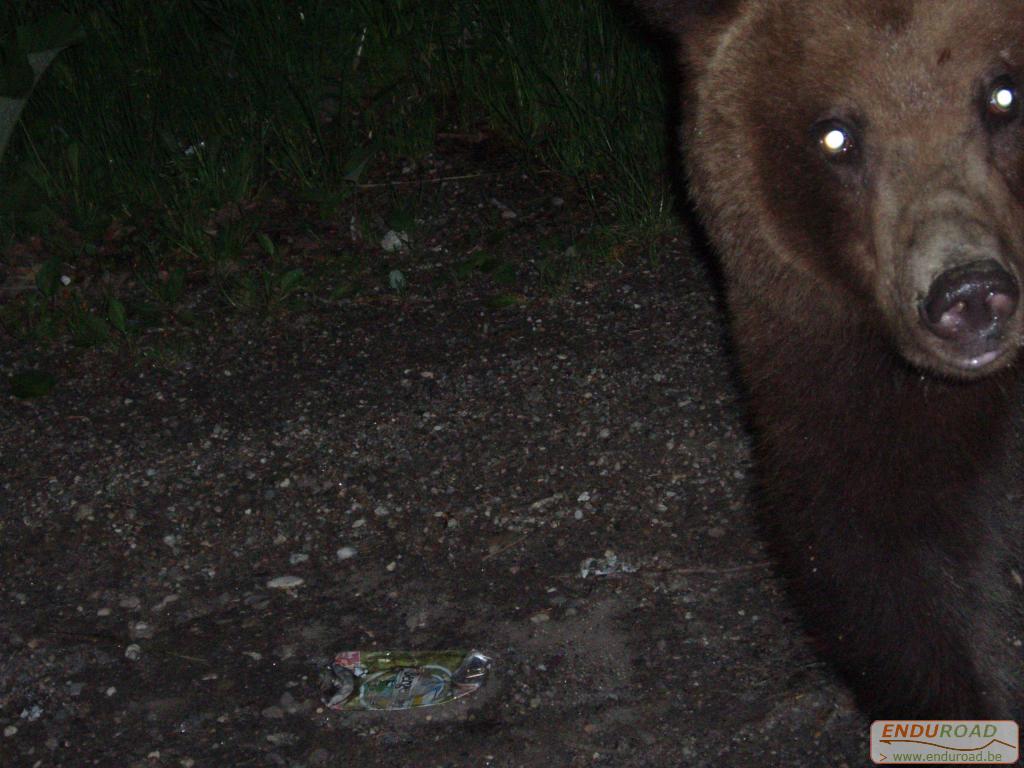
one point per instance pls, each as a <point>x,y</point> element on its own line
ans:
<point>971,303</point>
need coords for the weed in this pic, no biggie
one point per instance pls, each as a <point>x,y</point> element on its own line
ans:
<point>174,113</point>
<point>195,104</point>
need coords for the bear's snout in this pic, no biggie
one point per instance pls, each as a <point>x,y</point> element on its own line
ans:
<point>959,284</point>
<point>970,308</point>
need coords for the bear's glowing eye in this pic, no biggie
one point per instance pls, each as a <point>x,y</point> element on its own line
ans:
<point>835,141</point>
<point>1003,100</point>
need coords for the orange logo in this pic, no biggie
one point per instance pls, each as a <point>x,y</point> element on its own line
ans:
<point>945,742</point>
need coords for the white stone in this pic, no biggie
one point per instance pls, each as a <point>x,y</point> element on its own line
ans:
<point>286,582</point>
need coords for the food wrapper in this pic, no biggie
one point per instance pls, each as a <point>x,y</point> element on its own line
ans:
<point>384,680</point>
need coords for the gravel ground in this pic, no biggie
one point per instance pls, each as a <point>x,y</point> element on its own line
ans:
<point>433,473</point>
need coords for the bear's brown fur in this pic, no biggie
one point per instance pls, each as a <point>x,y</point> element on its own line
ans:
<point>859,167</point>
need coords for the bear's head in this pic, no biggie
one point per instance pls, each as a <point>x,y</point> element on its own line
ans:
<point>863,159</point>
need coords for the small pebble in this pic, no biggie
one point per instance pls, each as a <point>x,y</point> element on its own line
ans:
<point>133,652</point>
<point>10,731</point>
<point>298,558</point>
<point>282,739</point>
<point>394,241</point>
<point>286,582</point>
<point>165,602</point>
<point>346,553</point>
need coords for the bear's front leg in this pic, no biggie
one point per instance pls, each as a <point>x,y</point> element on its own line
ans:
<point>887,495</point>
<point>914,632</point>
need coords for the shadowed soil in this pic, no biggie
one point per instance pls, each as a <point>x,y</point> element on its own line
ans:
<point>435,471</point>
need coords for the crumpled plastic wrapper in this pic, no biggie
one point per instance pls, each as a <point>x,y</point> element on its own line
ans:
<point>385,680</point>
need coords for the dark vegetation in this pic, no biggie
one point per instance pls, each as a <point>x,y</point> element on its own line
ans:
<point>165,166</point>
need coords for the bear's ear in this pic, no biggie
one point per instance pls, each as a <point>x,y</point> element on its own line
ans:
<point>676,18</point>
<point>693,25</point>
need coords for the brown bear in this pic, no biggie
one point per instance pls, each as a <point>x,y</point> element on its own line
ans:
<point>859,168</point>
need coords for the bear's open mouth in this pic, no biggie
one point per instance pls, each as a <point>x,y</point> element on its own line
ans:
<point>969,319</point>
<point>981,357</point>
<point>982,361</point>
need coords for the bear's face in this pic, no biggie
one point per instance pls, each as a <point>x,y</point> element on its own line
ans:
<point>876,148</point>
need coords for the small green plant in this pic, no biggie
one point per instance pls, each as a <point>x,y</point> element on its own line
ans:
<point>37,314</point>
<point>500,273</point>
<point>265,292</point>
<point>219,249</point>
<point>117,316</point>
<point>561,269</point>
<point>171,289</point>
<point>87,328</point>
<point>504,301</point>
<point>48,278</point>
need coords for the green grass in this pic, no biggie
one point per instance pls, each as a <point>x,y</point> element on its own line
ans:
<point>172,110</point>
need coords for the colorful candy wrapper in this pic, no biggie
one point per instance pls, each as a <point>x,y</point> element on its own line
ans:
<point>382,680</point>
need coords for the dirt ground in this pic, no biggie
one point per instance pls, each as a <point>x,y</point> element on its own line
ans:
<point>435,472</point>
